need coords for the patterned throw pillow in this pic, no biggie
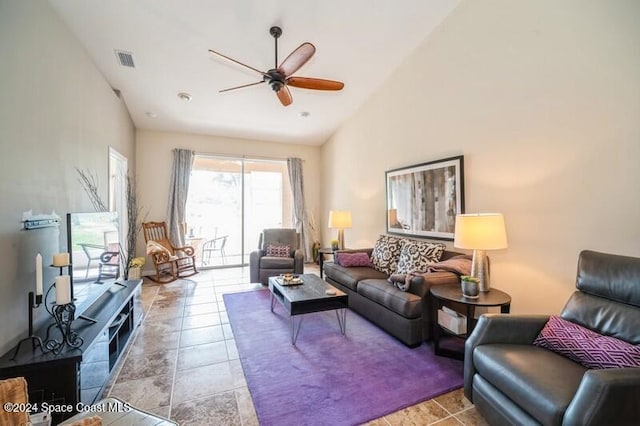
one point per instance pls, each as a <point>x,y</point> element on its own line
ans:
<point>416,256</point>
<point>587,347</point>
<point>353,259</point>
<point>88,421</point>
<point>278,251</point>
<point>386,252</point>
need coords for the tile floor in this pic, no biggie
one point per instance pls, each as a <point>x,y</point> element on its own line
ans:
<point>183,362</point>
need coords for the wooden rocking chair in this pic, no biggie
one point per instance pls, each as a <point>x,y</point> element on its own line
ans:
<point>170,262</point>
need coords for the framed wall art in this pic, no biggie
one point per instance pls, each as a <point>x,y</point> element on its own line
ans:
<point>423,200</point>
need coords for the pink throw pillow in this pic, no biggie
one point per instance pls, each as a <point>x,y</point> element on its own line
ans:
<point>353,259</point>
<point>587,347</point>
<point>278,251</point>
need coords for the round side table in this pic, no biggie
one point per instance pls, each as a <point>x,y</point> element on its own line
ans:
<point>441,294</point>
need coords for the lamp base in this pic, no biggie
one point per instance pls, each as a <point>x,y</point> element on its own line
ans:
<point>341,239</point>
<point>480,269</point>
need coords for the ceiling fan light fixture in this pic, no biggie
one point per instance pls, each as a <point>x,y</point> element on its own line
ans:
<point>276,85</point>
<point>184,96</point>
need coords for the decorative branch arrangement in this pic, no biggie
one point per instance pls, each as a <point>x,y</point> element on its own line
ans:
<point>134,212</point>
<point>89,183</point>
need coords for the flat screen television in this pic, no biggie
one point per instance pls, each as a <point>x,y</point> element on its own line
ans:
<point>94,250</point>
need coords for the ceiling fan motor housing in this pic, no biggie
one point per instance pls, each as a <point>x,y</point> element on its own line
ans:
<point>280,76</point>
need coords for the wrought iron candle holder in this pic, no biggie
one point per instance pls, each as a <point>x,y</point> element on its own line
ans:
<point>34,303</point>
<point>63,316</point>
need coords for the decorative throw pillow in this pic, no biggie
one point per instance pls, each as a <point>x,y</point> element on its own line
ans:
<point>416,256</point>
<point>353,259</point>
<point>587,347</point>
<point>385,254</point>
<point>278,251</point>
<point>88,421</point>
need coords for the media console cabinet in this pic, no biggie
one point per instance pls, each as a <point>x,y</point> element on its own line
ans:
<point>79,375</point>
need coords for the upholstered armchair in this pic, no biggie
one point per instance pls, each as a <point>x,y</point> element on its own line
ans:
<point>278,253</point>
<point>575,373</point>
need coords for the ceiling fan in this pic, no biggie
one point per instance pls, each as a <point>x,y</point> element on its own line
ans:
<point>280,77</point>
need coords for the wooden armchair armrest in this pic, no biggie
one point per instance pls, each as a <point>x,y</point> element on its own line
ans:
<point>188,250</point>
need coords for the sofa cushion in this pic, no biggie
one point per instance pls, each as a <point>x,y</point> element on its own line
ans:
<point>539,381</point>
<point>416,256</point>
<point>386,253</point>
<point>349,277</point>
<point>353,259</point>
<point>383,292</point>
<point>276,262</point>
<point>587,347</point>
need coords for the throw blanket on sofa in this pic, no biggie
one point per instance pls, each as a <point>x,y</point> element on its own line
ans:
<point>401,281</point>
<point>459,265</point>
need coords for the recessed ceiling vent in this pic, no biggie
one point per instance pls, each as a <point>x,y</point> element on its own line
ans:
<point>125,58</point>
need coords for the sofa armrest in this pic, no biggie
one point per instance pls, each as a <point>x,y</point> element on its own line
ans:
<point>499,328</point>
<point>607,396</point>
<point>421,287</point>
<point>254,265</point>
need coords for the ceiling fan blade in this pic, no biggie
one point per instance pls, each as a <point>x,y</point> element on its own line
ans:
<point>315,83</point>
<point>284,95</point>
<point>239,63</point>
<point>240,87</point>
<point>296,59</point>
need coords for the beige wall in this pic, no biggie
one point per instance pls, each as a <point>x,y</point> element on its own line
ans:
<point>543,100</point>
<point>56,113</point>
<point>154,159</point>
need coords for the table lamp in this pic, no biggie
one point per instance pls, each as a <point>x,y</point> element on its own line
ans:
<point>480,232</point>
<point>340,219</point>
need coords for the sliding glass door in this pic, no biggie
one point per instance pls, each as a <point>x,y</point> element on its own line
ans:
<point>230,201</point>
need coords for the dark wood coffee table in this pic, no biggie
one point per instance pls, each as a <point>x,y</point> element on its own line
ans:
<point>308,297</point>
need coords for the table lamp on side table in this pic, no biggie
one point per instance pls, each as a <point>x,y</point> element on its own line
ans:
<point>480,232</point>
<point>340,219</point>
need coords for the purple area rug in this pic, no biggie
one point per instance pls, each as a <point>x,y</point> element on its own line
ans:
<point>329,379</point>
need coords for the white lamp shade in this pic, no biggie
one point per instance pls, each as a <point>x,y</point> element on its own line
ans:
<point>340,219</point>
<point>480,231</point>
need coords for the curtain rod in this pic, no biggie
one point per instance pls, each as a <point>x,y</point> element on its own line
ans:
<point>244,157</point>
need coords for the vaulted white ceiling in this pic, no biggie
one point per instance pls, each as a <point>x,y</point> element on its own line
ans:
<point>358,42</point>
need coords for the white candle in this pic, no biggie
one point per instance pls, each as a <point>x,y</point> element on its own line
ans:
<point>63,290</point>
<point>38,274</point>
<point>61,259</point>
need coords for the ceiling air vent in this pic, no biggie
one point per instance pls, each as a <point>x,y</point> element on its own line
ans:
<point>125,58</point>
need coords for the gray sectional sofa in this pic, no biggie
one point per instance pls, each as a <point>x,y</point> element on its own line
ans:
<point>403,314</point>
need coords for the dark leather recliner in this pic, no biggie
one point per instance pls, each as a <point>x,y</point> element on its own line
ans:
<point>512,382</point>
